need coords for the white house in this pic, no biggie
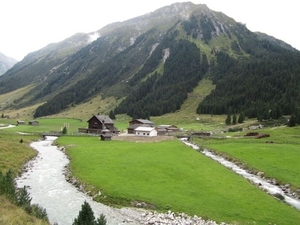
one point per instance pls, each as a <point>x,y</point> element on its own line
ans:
<point>145,131</point>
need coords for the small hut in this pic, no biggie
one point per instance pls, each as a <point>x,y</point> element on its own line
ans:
<point>33,123</point>
<point>105,135</point>
<point>20,122</point>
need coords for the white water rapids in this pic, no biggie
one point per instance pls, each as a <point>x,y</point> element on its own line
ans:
<point>47,185</point>
<point>48,188</point>
<point>260,182</point>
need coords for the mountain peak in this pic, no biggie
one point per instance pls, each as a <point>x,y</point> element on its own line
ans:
<point>6,63</point>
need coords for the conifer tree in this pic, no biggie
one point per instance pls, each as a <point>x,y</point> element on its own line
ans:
<point>292,121</point>
<point>228,119</point>
<point>86,216</point>
<point>65,130</point>
<point>241,117</point>
<point>112,115</point>
<point>234,119</point>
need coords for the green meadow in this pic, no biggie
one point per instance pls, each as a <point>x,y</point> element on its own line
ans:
<point>277,156</point>
<point>168,175</point>
<point>171,176</point>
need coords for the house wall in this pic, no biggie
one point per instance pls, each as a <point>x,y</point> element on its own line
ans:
<point>146,133</point>
<point>94,123</point>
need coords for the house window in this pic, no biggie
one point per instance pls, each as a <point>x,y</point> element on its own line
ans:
<point>144,134</point>
<point>147,133</point>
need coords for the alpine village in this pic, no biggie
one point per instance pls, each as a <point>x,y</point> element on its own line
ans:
<point>179,116</point>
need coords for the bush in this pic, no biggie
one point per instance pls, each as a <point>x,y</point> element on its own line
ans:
<point>235,129</point>
<point>65,130</point>
<point>38,212</point>
<point>20,197</point>
<point>7,185</point>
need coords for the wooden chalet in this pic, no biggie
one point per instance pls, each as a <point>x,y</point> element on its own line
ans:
<point>141,122</point>
<point>98,123</point>
<point>131,128</point>
<point>138,123</point>
<point>166,129</point>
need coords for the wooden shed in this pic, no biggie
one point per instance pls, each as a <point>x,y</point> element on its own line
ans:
<point>105,135</point>
<point>34,123</point>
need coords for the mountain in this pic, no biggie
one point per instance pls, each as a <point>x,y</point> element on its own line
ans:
<point>151,63</point>
<point>263,36</point>
<point>6,63</point>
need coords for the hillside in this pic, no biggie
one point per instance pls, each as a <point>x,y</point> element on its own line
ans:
<point>6,63</point>
<point>149,65</point>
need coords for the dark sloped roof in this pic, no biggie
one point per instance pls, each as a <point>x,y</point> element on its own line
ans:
<point>143,121</point>
<point>103,119</point>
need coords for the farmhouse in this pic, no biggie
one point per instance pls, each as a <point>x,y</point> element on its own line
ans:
<point>98,123</point>
<point>137,123</point>
<point>145,131</point>
<point>131,128</point>
<point>141,122</point>
<point>166,129</point>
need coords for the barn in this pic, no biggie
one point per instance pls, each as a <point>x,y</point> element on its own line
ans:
<point>98,123</point>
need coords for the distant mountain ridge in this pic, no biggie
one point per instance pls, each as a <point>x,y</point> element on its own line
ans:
<point>150,63</point>
<point>6,63</point>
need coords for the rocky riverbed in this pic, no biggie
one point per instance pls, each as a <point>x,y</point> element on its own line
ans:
<point>46,179</point>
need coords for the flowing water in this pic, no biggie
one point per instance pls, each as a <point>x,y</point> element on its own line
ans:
<point>257,180</point>
<point>48,188</point>
<point>46,184</point>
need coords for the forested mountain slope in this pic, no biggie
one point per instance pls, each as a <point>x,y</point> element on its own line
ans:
<point>150,63</point>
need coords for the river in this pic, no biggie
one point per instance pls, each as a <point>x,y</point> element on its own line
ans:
<point>45,181</point>
<point>255,179</point>
<point>48,187</point>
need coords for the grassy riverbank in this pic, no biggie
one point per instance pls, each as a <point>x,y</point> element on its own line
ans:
<point>171,176</point>
<point>277,156</point>
<point>13,155</point>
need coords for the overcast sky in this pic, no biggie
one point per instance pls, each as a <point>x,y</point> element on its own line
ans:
<point>28,25</point>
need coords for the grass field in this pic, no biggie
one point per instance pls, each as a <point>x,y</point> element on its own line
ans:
<point>13,155</point>
<point>172,176</point>
<point>167,174</point>
<point>279,159</point>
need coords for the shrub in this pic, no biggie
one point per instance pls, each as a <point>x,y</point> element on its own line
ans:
<point>20,197</point>
<point>65,130</point>
<point>7,185</point>
<point>235,129</point>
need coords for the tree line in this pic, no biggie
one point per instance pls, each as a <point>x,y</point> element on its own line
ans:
<point>262,88</point>
<point>165,93</point>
